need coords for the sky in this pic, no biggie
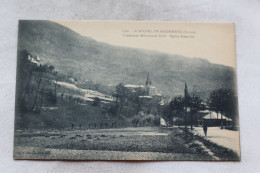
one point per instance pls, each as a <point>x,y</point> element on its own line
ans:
<point>212,41</point>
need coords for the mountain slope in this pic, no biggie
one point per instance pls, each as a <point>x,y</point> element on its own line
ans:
<point>89,60</point>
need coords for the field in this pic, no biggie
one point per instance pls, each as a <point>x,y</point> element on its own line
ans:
<point>143,143</point>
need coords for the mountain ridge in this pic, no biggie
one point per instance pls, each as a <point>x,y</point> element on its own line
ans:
<point>89,60</point>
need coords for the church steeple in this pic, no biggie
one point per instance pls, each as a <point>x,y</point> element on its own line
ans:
<point>148,81</point>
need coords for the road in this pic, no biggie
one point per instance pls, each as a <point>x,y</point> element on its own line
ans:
<point>223,137</point>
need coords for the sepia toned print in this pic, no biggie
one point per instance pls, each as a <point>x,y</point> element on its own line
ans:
<point>126,90</point>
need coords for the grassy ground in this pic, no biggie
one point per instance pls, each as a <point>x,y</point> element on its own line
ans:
<point>167,143</point>
<point>67,112</point>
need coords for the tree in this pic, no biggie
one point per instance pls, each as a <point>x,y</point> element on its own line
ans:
<point>177,107</point>
<point>167,113</point>
<point>96,101</point>
<point>180,105</point>
<point>49,96</point>
<point>38,79</point>
<point>138,99</point>
<point>224,101</point>
<point>121,93</point>
<point>186,100</point>
<point>56,82</point>
<point>135,121</point>
<point>34,81</point>
<point>195,105</point>
<point>43,76</point>
<point>24,77</point>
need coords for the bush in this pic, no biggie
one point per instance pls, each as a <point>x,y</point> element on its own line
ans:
<point>156,121</point>
<point>97,101</point>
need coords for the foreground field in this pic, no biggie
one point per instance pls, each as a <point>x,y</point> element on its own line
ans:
<point>144,143</point>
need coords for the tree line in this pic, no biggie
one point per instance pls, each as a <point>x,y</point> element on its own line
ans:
<point>35,86</point>
<point>185,108</point>
<point>134,104</point>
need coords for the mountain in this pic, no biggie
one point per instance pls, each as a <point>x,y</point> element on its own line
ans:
<point>88,60</point>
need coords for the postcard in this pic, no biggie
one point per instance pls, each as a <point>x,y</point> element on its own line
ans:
<point>126,90</point>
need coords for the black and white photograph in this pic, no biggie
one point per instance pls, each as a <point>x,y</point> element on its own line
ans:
<point>126,90</point>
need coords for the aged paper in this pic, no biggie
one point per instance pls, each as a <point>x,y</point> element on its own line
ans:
<point>126,90</point>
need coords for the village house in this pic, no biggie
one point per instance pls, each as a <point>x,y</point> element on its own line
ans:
<point>214,119</point>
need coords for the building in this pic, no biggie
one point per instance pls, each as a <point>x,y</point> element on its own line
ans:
<point>134,88</point>
<point>148,91</point>
<point>162,122</point>
<point>214,119</point>
<point>34,60</point>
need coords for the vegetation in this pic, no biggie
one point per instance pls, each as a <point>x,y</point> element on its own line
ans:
<point>195,105</point>
<point>224,101</point>
<point>180,108</point>
<point>37,88</point>
<point>38,92</point>
<point>35,83</point>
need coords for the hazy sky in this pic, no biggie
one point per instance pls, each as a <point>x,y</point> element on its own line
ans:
<point>215,42</point>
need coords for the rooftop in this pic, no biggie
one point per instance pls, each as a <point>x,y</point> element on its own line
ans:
<point>133,86</point>
<point>213,115</point>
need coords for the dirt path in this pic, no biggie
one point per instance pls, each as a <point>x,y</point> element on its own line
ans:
<point>216,150</point>
<point>222,137</point>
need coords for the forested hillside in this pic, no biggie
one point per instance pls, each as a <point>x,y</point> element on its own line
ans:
<point>88,60</point>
